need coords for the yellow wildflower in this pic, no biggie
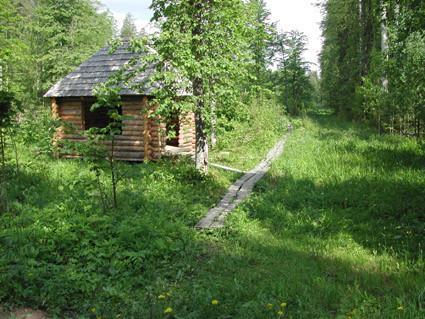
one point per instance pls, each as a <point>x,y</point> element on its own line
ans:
<point>214,302</point>
<point>283,304</point>
<point>168,310</point>
<point>400,308</point>
<point>161,297</point>
<point>93,309</point>
<point>269,306</point>
<point>280,313</point>
<point>168,293</point>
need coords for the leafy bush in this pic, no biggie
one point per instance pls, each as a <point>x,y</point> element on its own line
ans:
<point>36,130</point>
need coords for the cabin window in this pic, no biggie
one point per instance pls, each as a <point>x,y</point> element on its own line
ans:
<point>98,118</point>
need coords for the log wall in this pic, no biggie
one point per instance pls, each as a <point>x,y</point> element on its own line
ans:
<point>143,135</point>
<point>187,133</point>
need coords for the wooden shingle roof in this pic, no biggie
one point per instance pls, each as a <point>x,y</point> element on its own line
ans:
<point>98,69</point>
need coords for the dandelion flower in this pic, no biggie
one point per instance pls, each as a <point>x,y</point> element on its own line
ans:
<point>168,310</point>
<point>280,313</point>
<point>161,297</point>
<point>269,306</point>
<point>214,302</point>
<point>283,304</point>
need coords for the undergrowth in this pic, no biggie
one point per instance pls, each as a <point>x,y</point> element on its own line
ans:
<point>335,230</point>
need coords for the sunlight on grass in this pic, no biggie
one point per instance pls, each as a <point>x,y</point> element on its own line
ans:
<point>334,230</point>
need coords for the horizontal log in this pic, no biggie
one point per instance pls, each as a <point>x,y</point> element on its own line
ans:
<point>70,112</point>
<point>125,148</point>
<point>131,112</point>
<point>132,127</point>
<point>135,134</point>
<point>128,159</point>
<point>132,107</point>
<point>125,143</point>
<point>130,137</point>
<point>132,122</point>
<point>69,107</point>
<point>73,117</point>
<point>73,122</point>
<point>128,154</point>
<point>138,118</point>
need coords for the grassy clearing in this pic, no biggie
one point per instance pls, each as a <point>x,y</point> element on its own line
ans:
<point>60,252</point>
<point>245,145</point>
<point>335,230</point>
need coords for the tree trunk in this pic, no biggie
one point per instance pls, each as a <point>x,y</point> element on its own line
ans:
<point>201,151</point>
<point>2,147</point>
<point>213,123</point>
<point>384,40</point>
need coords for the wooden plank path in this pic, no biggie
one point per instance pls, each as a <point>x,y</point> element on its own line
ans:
<point>241,189</point>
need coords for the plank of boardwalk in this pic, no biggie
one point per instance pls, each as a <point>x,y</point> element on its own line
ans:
<point>241,189</point>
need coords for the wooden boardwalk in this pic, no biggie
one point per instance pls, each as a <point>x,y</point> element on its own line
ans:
<point>240,189</point>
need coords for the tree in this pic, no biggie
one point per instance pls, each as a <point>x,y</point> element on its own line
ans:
<point>204,42</point>
<point>340,58</point>
<point>128,29</point>
<point>14,53</point>
<point>369,60</point>
<point>294,85</point>
<point>261,39</point>
<point>44,40</point>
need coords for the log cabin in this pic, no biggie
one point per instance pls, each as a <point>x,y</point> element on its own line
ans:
<point>143,137</point>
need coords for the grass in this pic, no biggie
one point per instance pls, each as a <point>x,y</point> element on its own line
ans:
<point>246,145</point>
<point>335,230</point>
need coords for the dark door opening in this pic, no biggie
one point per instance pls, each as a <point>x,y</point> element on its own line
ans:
<point>173,129</point>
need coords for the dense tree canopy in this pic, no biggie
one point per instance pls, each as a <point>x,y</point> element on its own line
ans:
<point>293,83</point>
<point>128,29</point>
<point>370,60</point>
<point>44,40</point>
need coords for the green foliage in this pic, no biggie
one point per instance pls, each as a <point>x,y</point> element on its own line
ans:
<point>128,29</point>
<point>340,57</point>
<point>60,250</point>
<point>262,33</point>
<point>293,84</point>
<point>42,41</point>
<point>8,107</point>
<point>65,33</point>
<point>36,130</point>
<point>334,230</point>
<point>201,52</point>
<point>240,146</point>
<point>367,76</point>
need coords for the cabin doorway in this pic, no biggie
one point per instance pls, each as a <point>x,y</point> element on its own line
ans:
<point>173,130</point>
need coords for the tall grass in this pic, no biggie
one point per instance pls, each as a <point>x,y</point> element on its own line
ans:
<point>335,230</point>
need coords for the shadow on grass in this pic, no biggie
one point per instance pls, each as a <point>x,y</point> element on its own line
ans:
<point>60,252</point>
<point>382,215</point>
<point>389,158</point>
<point>287,270</point>
<point>385,155</point>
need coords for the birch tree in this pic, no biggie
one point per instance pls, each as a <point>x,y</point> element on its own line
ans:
<point>204,41</point>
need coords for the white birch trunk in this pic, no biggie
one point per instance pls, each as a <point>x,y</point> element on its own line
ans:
<point>384,40</point>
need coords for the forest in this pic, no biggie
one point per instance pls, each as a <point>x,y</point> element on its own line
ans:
<point>335,228</point>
